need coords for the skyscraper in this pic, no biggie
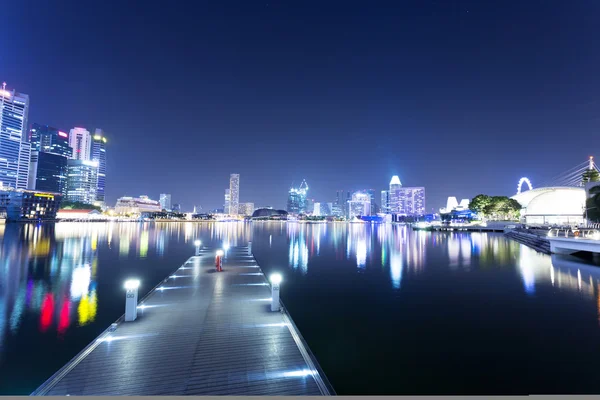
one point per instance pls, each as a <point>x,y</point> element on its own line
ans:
<point>359,205</point>
<point>47,139</point>
<point>82,181</point>
<point>296,203</point>
<point>385,208</point>
<point>98,155</point>
<point>227,203</point>
<point>394,195</point>
<point>80,140</point>
<point>234,193</point>
<point>246,209</point>
<point>165,201</point>
<point>15,151</point>
<point>48,172</point>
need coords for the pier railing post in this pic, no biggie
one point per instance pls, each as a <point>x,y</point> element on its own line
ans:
<point>131,299</point>
<point>197,243</point>
<point>249,248</point>
<point>275,282</point>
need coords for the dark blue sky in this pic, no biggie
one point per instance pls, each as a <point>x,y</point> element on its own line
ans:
<point>462,97</point>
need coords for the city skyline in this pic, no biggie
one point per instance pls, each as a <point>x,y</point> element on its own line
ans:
<point>396,94</point>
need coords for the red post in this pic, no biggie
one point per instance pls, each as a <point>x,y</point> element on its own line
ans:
<point>218,263</point>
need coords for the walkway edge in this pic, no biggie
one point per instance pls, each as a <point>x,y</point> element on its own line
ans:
<point>58,375</point>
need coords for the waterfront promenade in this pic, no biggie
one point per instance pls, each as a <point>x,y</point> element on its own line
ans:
<point>200,332</point>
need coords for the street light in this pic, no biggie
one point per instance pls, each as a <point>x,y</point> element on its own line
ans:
<point>275,281</point>
<point>131,298</point>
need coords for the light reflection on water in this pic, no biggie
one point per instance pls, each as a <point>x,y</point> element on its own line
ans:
<point>51,276</point>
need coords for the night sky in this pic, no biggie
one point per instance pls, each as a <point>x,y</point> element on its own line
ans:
<point>462,97</point>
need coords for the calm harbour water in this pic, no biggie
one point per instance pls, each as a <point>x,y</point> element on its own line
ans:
<point>385,310</point>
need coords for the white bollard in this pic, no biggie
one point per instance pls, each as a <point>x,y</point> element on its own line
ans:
<point>131,299</point>
<point>249,248</point>
<point>275,282</point>
<point>198,243</point>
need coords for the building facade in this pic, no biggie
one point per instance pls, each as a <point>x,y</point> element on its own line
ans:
<point>29,205</point>
<point>47,139</point>
<point>359,205</point>
<point>227,201</point>
<point>385,200</point>
<point>234,194</point>
<point>165,201</point>
<point>246,209</point>
<point>48,172</point>
<point>136,205</point>
<point>80,141</point>
<point>98,155</point>
<point>394,195</point>
<point>297,203</point>
<point>15,151</point>
<point>82,181</point>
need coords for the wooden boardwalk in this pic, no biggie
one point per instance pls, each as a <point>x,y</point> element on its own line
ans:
<point>199,332</point>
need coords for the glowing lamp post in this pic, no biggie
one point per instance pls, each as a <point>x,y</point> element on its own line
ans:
<point>275,281</point>
<point>131,299</point>
<point>197,243</point>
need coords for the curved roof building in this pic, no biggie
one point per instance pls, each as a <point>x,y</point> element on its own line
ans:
<point>552,205</point>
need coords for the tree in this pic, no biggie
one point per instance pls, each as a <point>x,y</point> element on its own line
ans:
<point>77,205</point>
<point>479,203</point>
<point>592,206</point>
<point>590,175</point>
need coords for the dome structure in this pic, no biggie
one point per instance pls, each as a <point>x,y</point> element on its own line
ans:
<point>552,205</point>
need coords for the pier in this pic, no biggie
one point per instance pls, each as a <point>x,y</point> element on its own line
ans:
<point>199,332</point>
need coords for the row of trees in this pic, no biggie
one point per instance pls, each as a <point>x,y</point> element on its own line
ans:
<point>496,207</point>
<point>77,205</point>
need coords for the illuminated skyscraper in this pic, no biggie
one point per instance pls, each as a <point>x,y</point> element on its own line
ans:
<point>80,141</point>
<point>226,204</point>
<point>394,195</point>
<point>48,172</point>
<point>82,181</point>
<point>359,205</point>
<point>246,209</point>
<point>15,151</point>
<point>165,201</point>
<point>385,208</point>
<point>47,139</point>
<point>234,193</point>
<point>296,203</point>
<point>98,154</point>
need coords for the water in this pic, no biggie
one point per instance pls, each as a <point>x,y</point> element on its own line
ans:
<point>385,310</point>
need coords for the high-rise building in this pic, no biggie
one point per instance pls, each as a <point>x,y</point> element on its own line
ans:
<point>80,141</point>
<point>359,205</point>
<point>385,207</point>
<point>48,172</point>
<point>234,193</point>
<point>15,151</point>
<point>227,203</point>
<point>98,154</point>
<point>408,201</point>
<point>82,181</point>
<point>47,139</point>
<point>394,195</point>
<point>165,201</point>
<point>246,209</point>
<point>296,203</point>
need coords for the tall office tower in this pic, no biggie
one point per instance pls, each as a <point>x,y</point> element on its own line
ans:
<point>48,172</point>
<point>82,181</point>
<point>227,204</point>
<point>165,201</point>
<point>413,201</point>
<point>15,150</point>
<point>47,139</point>
<point>246,209</point>
<point>297,203</point>
<point>81,142</point>
<point>98,155</point>
<point>234,193</point>
<point>359,205</point>
<point>395,194</point>
<point>385,208</point>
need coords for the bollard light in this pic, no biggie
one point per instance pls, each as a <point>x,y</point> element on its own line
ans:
<point>226,246</point>
<point>131,299</point>
<point>275,281</point>
<point>197,242</point>
<point>220,253</point>
<point>249,248</point>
